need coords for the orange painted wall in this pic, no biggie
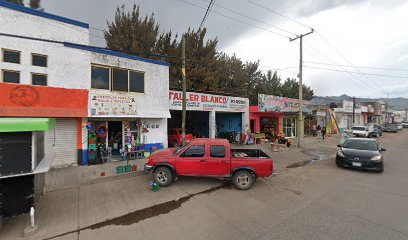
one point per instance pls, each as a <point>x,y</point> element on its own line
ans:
<point>18,100</point>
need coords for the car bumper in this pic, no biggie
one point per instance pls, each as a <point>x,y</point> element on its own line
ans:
<point>369,164</point>
<point>148,168</point>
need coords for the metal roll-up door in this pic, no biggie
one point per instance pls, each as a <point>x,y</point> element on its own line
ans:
<point>62,140</point>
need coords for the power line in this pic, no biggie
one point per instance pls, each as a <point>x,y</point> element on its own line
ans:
<point>236,19</point>
<point>95,28</point>
<point>376,68</point>
<point>251,18</point>
<point>362,73</point>
<point>207,13</point>
<point>276,13</point>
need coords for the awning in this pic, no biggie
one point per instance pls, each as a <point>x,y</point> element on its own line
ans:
<point>26,124</point>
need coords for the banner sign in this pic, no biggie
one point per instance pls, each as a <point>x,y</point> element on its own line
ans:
<point>109,104</point>
<point>270,103</point>
<point>347,106</point>
<point>208,102</point>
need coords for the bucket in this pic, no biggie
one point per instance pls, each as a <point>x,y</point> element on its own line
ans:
<point>127,168</point>
<point>134,168</point>
<point>119,169</point>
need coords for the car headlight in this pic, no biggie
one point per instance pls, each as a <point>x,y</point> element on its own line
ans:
<point>376,158</point>
<point>340,154</point>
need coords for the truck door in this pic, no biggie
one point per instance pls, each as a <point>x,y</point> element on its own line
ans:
<point>191,161</point>
<point>218,161</point>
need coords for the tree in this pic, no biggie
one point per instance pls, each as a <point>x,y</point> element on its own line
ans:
<point>18,2</point>
<point>290,88</point>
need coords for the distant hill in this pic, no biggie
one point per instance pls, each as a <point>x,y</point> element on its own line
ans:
<point>397,104</point>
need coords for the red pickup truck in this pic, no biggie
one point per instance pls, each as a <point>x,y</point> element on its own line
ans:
<point>210,158</point>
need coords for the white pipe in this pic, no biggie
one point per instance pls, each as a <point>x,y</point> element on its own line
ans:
<point>32,222</point>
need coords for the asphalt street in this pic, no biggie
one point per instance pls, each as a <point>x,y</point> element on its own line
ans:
<point>316,201</point>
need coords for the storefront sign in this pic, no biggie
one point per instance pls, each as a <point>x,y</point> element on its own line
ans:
<point>270,103</point>
<point>20,100</point>
<point>208,102</point>
<point>110,104</point>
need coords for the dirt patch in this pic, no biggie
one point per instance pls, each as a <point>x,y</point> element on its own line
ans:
<point>142,214</point>
<point>293,191</point>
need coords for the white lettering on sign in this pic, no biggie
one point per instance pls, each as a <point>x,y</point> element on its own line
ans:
<point>208,102</point>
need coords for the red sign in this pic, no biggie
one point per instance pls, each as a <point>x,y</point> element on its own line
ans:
<point>18,100</point>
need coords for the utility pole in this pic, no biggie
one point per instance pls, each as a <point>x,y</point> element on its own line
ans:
<point>301,120</point>
<point>354,110</point>
<point>183,101</point>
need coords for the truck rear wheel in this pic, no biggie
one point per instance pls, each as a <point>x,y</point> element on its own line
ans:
<point>243,180</point>
<point>163,176</point>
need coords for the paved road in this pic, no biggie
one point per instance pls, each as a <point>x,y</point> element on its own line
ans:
<point>317,201</point>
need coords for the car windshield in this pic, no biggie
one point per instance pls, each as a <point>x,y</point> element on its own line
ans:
<point>180,149</point>
<point>361,145</point>
<point>359,128</point>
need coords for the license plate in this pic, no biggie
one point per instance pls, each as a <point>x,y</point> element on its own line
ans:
<point>356,164</point>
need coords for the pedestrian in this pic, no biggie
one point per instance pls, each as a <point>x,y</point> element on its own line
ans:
<point>319,131</point>
<point>314,130</point>
<point>323,132</point>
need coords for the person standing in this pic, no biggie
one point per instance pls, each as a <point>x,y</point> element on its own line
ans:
<point>314,130</point>
<point>319,131</point>
<point>323,132</point>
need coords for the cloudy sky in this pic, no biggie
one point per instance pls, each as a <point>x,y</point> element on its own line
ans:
<point>348,34</point>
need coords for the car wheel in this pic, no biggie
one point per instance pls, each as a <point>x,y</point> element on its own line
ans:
<point>338,163</point>
<point>163,176</point>
<point>243,180</point>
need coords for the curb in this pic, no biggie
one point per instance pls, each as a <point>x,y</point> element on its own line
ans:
<point>114,177</point>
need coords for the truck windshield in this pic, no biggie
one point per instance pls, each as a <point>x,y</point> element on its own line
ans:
<point>180,149</point>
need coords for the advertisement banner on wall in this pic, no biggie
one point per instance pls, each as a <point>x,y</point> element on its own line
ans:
<point>109,104</point>
<point>208,102</point>
<point>270,103</point>
<point>347,106</point>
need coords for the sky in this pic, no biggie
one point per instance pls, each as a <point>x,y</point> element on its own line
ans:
<point>350,38</point>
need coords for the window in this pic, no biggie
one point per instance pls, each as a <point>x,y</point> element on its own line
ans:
<point>39,60</point>
<point>39,79</point>
<point>11,76</point>
<point>136,82</point>
<point>194,151</point>
<point>289,127</point>
<point>100,77</point>
<point>120,80</point>
<point>11,56</point>
<point>217,151</point>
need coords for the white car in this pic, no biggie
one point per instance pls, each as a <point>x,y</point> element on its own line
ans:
<point>399,126</point>
<point>405,124</point>
<point>360,131</point>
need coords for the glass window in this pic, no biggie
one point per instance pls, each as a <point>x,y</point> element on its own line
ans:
<point>194,151</point>
<point>136,82</point>
<point>39,60</point>
<point>217,151</point>
<point>11,56</point>
<point>39,79</point>
<point>289,127</point>
<point>361,145</point>
<point>120,80</point>
<point>100,77</point>
<point>11,76</point>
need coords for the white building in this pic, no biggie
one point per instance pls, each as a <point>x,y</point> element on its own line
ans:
<point>344,115</point>
<point>46,60</point>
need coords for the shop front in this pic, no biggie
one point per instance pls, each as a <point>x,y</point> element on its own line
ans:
<point>67,106</point>
<point>209,115</point>
<point>263,121</point>
<point>116,128</point>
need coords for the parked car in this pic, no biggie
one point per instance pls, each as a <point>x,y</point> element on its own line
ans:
<point>391,128</point>
<point>405,124</point>
<point>175,137</point>
<point>362,131</point>
<point>377,131</point>
<point>204,157</point>
<point>361,153</point>
<point>399,126</point>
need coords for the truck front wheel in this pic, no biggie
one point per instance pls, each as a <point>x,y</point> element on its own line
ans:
<point>243,180</point>
<point>163,176</point>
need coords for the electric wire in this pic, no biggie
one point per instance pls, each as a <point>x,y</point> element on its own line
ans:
<point>207,13</point>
